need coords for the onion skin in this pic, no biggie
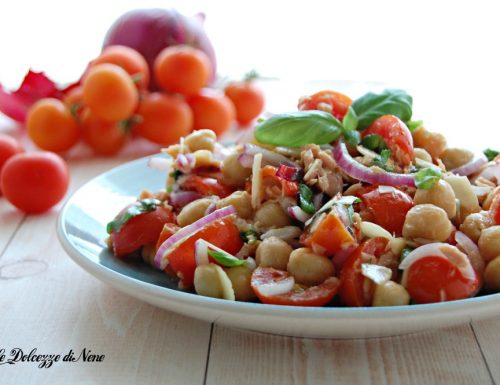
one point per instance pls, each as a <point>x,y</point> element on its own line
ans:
<point>151,30</point>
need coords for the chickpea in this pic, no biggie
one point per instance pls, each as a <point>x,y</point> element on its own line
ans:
<point>474,224</point>
<point>432,142</point>
<point>456,157</point>
<point>390,294</point>
<point>233,173</point>
<point>273,252</point>
<point>427,222</point>
<point>201,140</point>
<point>308,268</point>
<point>420,153</point>
<point>271,214</point>
<point>193,211</point>
<point>489,243</point>
<point>241,201</point>
<point>240,277</point>
<point>204,158</point>
<point>440,195</point>
<point>492,275</point>
<point>207,282</point>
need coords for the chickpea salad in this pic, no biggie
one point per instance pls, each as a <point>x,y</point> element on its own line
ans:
<point>341,203</point>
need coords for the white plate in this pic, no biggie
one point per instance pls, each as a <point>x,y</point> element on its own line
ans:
<point>82,231</point>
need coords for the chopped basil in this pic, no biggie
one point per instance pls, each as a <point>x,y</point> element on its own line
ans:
<point>374,142</point>
<point>414,124</point>
<point>347,200</point>
<point>425,178</point>
<point>140,207</point>
<point>176,174</point>
<point>249,236</point>
<point>225,259</point>
<point>382,159</point>
<point>491,154</point>
<point>306,199</point>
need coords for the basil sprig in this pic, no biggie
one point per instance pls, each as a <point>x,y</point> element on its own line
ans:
<point>306,199</point>
<point>140,207</point>
<point>426,178</point>
<point>491,154</point>
<point>225,259</point>
<point>390,102</point>
<point>382,160</point>
<point>374,142</point>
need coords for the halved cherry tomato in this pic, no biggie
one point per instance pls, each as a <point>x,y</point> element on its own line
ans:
<point>141,230</point>
<point>222,233</point>
<point>333,102</point>
<point>396,136</point>
<point>206,186</point>
<point>355,289</point>
<point>436,279</point>
<point>318,295</point>
<point>168,230</point>
<point>386,208</point>
<point>288,188</point>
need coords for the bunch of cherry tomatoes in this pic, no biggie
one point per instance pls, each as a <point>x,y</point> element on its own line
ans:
<point>112,102</point>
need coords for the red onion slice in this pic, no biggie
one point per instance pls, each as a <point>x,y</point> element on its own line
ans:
<point>277,287</point>
<point>297,213</point>
<point>166,247</point>
<point>246,160</point>
<point>182,198</point>
<point>160,163</point>
<point>268,157</point>
<point>185,162</point>
<point>201,252</point>
<point>376,273</point>
<point>471,167</point>
<point>358,171</point>
<point>468,246</point>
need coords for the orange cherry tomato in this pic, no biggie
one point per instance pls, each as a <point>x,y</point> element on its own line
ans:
<point>8,148</point>
<point>288,188</point>
<point>318,295</point>
<point>436,279</point>
<point>355,289</point>
<point>222,233</point>
<point>182,69</point>
<point>102,136</point>
<point>109,92</point>
<point>128,59</point>
<point>206,186</point>
<point>396,136</point>
<point>212,110</point>
<point>333,102</point>
<point>51,126</point>
<point>164,119</point>
<point>248,100</point>
<point>74,101</point>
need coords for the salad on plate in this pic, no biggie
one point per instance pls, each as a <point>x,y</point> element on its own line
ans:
<point>341,203</point>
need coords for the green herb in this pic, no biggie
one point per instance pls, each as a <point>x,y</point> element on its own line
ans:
<point>352,137</point>
<point>425,178</point>
<point>350,121</point>
<point>404,253</point>
<point>225,259</point>
<point>306,199</point>
<point>176,174</point>
<point>382,159</point>
<point>374,142</point>
<point>414,124</point>
<point>249,236</point>
<point>347,200</point>
<point>296,129</point>
<point>390,102</point>
<point>491,154</point>
<point>139,207</point>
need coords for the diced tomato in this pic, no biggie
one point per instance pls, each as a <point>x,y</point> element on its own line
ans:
<point>288,188</point>
<point>396,136</point>
<point>168,230</point>
<point>436,279</point>
<point>206,186</point>
<point>143,229</point>
<point>318,295</point>
<point>333,102</point>
<point>355,289</point>
<point>222,233</point>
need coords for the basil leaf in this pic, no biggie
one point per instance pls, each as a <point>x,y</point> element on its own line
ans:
<point>425,178</point>
<point>138,208</point>
<point>381,160</point>
<point>296,129</point>
<point>414,124</point>
<point>490,154</point>
<point>390,102</point>
<point>225,259</point>
<point>306,199</point>
<point>347,200</point>
<point>374,142</point>
<point>249,236</point>
<point>350,121</point>
<point>352,137</point>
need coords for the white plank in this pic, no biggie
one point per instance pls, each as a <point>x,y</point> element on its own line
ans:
<point>488,335</point>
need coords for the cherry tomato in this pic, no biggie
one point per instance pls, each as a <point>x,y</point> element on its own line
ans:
<point>109,92</point>
<point>103,137</point>
<point>51,125</point>
<point>141,230</point>
<point>168,230</point>
<point>128,59</point>
<point>288,188</point>
<point>206,186</point>
<point>73,100</point>
<point>355,289</point>
<point>34,182</point>
<point>396,136</point>
<point>248,100</point>
<point>386,208</point>
<point>333,102</point>
<point>436,279</point>
<point>8,148</point>
<point>318,295</point>
<point>223,234</point>
<point>212,110</point>
<point>164,119</point>
<point>182,69</point>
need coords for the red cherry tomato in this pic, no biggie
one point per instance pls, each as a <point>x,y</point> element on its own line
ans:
<point>34,182</point>
<point>143,229</point>
<point>318,295</point>
<point>436,279</point>
<point>206,186</point>
<point>396,136</point>
<point>386,208</point>
<point>8,148</point>
<point>355,289</point>
<point>333,102</point>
